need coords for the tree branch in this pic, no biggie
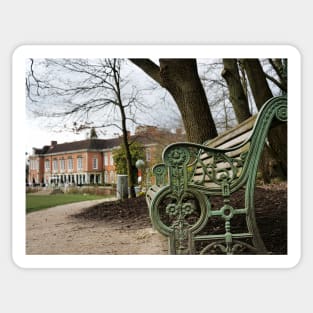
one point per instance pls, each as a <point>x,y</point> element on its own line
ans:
<point>149,68</point>
<point>276,82</point>
<point>277,66</point>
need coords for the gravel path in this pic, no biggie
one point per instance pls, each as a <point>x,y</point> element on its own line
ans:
<point>55,231</point>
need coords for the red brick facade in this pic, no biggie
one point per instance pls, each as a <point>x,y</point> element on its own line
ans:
<point>83,167</point>
<point>90,161</point>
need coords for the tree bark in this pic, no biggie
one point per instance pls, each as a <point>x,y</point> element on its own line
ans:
<point>130,170</point>
<point>257,80</point>
<point>180,77</point>
<point>261,93</point>
<point>236,92</point>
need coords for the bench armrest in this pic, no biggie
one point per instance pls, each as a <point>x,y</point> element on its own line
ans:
<point>183,159</point>
<point>160,172</point>
<point>173,152</point>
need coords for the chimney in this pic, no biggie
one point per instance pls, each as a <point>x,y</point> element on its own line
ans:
<point>53,144</point>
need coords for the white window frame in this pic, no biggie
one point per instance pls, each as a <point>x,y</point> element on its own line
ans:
<point>95,163</point>
<point>55,165</point>
<point>70,164</point>
<point>79,163</point>
<point>47,165</point>
<point>62,164</point>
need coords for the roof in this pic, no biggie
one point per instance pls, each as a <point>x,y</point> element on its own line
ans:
<point>144,138</point>
<point>87,144</point>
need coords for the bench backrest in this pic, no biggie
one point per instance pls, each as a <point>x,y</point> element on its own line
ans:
<point>225,163</point>
<point>230,139</point>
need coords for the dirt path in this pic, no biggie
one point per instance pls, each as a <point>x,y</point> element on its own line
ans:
<point>55,231</point>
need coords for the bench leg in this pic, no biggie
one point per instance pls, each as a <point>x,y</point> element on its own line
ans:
<point>254,230</point>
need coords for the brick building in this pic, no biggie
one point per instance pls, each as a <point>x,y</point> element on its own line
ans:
<point>90,161</point>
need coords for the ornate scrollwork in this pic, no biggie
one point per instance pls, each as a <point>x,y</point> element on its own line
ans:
<point>220,176</point>
<point>159,171</point>
<point>220,247</point>
<point>180,216</point>
<point>282,113</point>
<point>180,209</point>
<point>180,224</point>
<point>177,156</point>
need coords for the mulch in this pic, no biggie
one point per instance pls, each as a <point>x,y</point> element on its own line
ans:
<point>270,204</point>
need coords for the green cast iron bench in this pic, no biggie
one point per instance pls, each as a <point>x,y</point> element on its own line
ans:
<point>180,203</point>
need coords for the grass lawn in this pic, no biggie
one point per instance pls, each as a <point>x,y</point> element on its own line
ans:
<point>35,203</point>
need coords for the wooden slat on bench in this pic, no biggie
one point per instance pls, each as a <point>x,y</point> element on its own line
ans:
<point>205,158</point>
<point>209,183</point>
<point>208,159</point>
<point>228,140</point>
<point>232,133</point>
<point>236,141</point>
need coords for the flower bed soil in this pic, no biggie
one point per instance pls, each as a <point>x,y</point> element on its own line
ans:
<point>270,204</point>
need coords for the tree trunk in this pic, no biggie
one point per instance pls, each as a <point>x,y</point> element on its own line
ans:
<point>180,77</point>
<point>130,171</point>
<point>261,92</point>
<point>257,80</point>
<point>236,92</point>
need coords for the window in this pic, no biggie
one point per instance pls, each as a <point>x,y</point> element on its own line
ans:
<point>34,164</point>
<point>111,159</point>
<point>70,164</point>
<point>95,163</point>
<point>62,164</point>
<point>106,177</point>
<point>47,165</point>
<point>55,165</point>
<point>79,163</point>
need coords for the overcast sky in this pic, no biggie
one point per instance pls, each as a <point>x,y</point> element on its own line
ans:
<point>161,111</point>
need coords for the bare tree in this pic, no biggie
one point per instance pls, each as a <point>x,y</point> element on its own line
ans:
<point>87,92</point>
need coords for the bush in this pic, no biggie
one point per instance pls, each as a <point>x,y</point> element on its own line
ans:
<point>92,190</point>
